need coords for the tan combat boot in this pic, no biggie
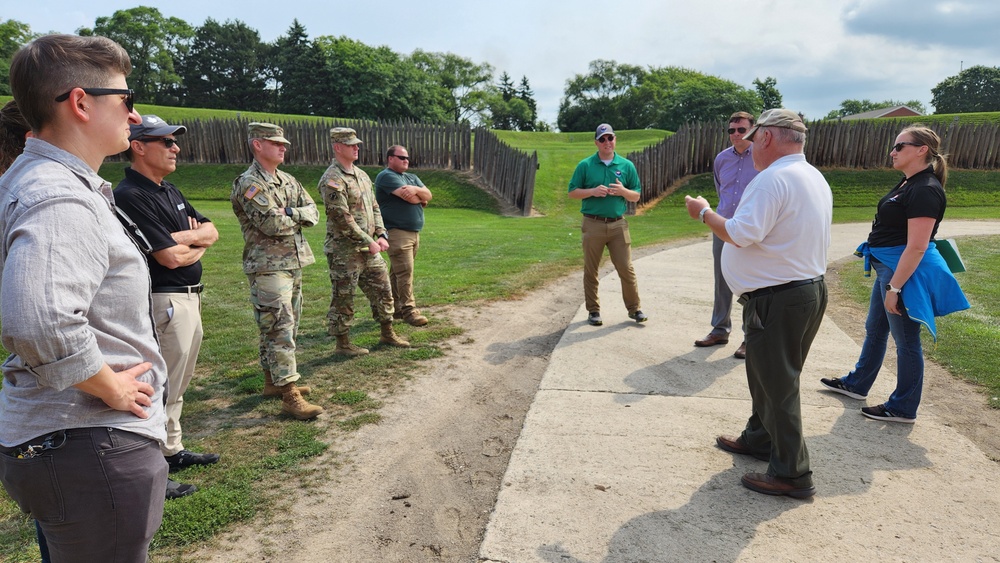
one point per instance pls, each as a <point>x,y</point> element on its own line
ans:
<point>390,337</point>
<point>415,319</point>
<point>272,390</point>
<point>345,347</point>
<point>293,403</point>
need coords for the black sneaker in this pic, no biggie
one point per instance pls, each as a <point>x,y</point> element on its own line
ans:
<point>595,318</point>
<point>178,490</point>
<point>837,386</point>
<point>879,412</point>
<point>639,316</point>
<point>187,458</point>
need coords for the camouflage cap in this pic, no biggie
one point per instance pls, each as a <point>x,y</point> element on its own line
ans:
<point>783,118</point>
<point>344,135</point>
<point>267,131</point>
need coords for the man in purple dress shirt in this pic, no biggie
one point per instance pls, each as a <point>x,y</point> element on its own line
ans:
<point>733,171</point>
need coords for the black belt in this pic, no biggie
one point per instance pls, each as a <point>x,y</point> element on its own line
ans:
<point>603,219</point>
<point>179,288</point>
<point>782,287</point>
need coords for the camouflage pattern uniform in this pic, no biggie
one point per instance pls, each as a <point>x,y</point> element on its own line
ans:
<point>353,221</point>
<point>273,257</point>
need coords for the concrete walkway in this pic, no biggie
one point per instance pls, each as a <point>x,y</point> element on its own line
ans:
<point>617,460</point>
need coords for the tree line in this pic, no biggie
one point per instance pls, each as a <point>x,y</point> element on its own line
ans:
<point>226,65</point>
<point>633,97</point>
<point>975,89</point>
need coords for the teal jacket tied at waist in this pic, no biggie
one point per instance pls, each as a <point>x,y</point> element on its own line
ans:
<point>932,290</point>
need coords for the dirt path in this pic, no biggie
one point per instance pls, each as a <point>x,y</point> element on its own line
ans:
<point>420,485</point>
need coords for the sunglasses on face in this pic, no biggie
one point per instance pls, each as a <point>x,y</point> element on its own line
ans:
<point>129,95</point>
<point>169,143</point>
<point>899,146</point>
<point>401,157</point>
<point>606,139</point>
<point>740,130</point>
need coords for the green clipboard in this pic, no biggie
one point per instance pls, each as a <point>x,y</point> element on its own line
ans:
<point>949,251</point>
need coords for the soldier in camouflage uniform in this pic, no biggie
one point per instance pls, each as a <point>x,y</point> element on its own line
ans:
<point>355,236</point>
<point>272,207</point>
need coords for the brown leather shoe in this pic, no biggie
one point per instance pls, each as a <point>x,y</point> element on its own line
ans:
<point>712,340</point>
<point>736,445</point>
<point>771,485</point>
<point>741,352</point>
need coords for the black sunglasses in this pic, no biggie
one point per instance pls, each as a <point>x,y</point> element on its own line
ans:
<point>169,143</point>
<point>606,139</point>
<point>899,146</point>
<point>402,157</point>
<point>129,94</point>
<point>740,130</point>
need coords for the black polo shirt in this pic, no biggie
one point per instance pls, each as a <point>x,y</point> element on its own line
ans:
<point>159,210</point>
<point>920,195</point>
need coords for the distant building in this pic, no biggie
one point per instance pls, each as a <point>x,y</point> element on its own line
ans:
<point>894,111</point>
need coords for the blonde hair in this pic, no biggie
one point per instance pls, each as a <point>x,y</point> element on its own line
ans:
<point>925,136</point>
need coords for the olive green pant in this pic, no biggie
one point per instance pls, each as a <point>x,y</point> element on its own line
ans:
<point>780,328</point>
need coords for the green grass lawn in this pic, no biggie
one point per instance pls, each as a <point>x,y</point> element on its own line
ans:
<point>558,155</point>
<point>469,252</point>
<point>968,341</point>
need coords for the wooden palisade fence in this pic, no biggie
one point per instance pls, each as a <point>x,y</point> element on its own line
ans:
<point>508,172</point>
<point>224,141</point>
<point>829,144</point>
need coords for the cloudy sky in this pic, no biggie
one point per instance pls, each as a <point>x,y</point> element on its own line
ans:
<point>820,52</point>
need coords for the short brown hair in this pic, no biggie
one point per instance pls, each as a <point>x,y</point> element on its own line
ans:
<point>53,64</point>
<point>742,115</point>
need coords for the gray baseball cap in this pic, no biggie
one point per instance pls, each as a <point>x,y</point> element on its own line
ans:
<point>604,129</point>
<point>153,126</point>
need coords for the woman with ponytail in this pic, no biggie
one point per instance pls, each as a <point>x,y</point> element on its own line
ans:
<point>913,283</point>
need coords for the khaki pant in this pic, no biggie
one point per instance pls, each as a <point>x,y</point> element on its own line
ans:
<point>615,236</point>
<point>403,246</point>
<point>178,328</point>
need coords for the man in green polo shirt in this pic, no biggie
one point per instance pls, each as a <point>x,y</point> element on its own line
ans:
<point>606,182</point>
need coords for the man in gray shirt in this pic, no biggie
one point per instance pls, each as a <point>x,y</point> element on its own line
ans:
<point>81,408</point>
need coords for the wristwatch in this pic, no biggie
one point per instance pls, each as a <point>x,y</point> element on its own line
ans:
<point>701,214</point>
<point>896,290</point>
<point>384,235</point>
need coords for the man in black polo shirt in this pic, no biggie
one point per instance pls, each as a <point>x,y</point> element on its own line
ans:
<point>177,238</point>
